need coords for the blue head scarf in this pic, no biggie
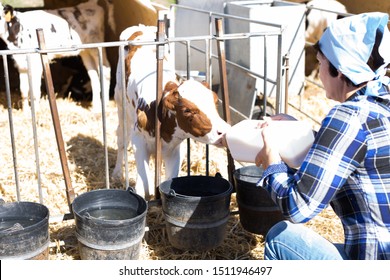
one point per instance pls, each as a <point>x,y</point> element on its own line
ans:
<point>347,43</point>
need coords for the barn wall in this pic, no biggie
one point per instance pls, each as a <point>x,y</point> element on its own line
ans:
<point>361,6</point>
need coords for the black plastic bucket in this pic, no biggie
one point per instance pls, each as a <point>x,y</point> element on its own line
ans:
<point>196,211</point>
<point>24,231</point>
<point>257,211</point>
<point>110,224</point>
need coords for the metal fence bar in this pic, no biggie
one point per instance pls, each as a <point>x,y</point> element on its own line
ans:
<point>34,127</point>
<point>237,36</point>
<point>279,93</point>
<point>124,128</point>
<point>208,80</point>
<point>215,14</point>
<point>188,57</point>
<point>11,126</point>
<point>121,45</point>
<point>279,82</point>
<point>327,10</point>
<point>104,123</point>
<point>265,78</point>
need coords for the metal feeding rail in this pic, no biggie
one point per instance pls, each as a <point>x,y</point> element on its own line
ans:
<point>161,41</point>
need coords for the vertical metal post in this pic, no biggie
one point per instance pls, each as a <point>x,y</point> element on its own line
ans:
<point>160,37</point>
<point>224,88</point>
<point>279,91</point>
<point>124,128</point>
<point>11,125</point>
<point>103,103</point>
<point>287,73</point>
<point>208,80</point>
<point>209,64</point>
<point>55,117</point>
<point>34,125</point>
<point>265,77</point>
<point>188,51</point>
<point>209,71</point>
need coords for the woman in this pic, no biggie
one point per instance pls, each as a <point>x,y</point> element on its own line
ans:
<point>348,165</point>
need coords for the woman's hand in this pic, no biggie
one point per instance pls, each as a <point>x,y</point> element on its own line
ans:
<point>278,117</point>
<point>282,117</point>
<point>269,154</point>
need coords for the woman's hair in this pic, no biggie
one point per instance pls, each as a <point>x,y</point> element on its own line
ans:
<point>374,61</point>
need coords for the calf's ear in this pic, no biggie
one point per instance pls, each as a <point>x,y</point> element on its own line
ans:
<point>170,86</point>
<point>206,84</point>
<point>170,98</point>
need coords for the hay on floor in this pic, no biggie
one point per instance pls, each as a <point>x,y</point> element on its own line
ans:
<point>83,137</point>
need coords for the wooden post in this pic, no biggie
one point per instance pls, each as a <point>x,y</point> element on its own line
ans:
<point>56,120</point>
<point>224,87</point>
<point>160,37</point>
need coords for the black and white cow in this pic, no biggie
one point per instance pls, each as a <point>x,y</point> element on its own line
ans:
<point>64,27</point>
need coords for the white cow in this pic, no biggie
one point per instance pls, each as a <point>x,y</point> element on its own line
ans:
<point>187,110</point>
<point>64,27</point>
<point>317,19</point>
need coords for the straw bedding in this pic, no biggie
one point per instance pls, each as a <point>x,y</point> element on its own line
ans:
<point>83,137</point>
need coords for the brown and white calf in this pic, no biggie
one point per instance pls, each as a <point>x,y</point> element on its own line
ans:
<point>187,110</point>
<point>64,27</point>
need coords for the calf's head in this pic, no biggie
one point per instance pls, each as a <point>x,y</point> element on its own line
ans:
<point>192,110</point>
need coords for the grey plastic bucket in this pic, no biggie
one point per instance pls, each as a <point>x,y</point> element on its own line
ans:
<point>110,224</point>
<point>196,211</point>
<point>257,211</point>
<point>24,231</point>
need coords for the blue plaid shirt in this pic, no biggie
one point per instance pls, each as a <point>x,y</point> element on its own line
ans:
<point>348,167</point>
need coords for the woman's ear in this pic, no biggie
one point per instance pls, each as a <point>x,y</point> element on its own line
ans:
<point>339,74</point>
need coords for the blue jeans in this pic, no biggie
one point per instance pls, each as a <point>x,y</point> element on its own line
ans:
<point>288,241</point>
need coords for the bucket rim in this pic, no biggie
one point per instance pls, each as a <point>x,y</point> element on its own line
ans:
<point>168,192</point>
<point>109,222</point>
<point>238,172</point>
<point>43,220</point>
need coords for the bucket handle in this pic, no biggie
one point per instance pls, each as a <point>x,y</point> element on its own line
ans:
<point>130,189</point>
<point>171,193</point>
<point>88,216</point>
<point>15,227</point>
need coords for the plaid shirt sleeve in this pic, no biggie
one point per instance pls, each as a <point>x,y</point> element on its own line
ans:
<point>348,166</point>
<point>338,149</point>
